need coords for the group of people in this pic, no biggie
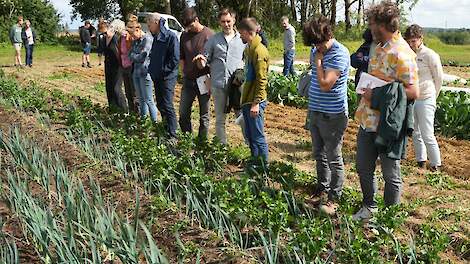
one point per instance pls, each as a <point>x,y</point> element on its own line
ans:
<point>387,114</point>
<point>231,66</point>
<point>22,34</point>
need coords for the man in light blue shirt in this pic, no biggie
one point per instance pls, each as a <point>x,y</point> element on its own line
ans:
<point>224,54</point>
<point>328,107</point>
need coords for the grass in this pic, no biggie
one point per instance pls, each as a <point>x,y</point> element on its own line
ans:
<point>42,52</point>
<point>450,54</point>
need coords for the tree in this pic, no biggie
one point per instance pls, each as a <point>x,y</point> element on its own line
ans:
<point>42,14</point>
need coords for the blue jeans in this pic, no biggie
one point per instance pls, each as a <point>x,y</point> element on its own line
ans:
<point>254,131</point>
<point>164,93</point>
<point>29,54</point>
<point>289,63</point>
<point>144,86</point>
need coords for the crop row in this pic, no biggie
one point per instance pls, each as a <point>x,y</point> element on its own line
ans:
<point>452,114</point>
<point>248,211</point>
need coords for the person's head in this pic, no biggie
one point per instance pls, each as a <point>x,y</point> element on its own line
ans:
<point>103,26</point>
<point>20,20</point>
<point>87,24</point>
<point>227,18</point>
<point>27,23</point>
<point>367,36</point>
<point>414,36</point>
<point>190,20</point>
<point>384,20</point>
<point>153,22</point>
<point>285,22</point>
<point>116,26</point>
<point>247,29</point>
<point>317,32</point>
<point>137,31</point>
<point>130,26</point>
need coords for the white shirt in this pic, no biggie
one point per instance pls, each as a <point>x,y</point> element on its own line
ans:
<point>29,36</point>
<point>430,72</point>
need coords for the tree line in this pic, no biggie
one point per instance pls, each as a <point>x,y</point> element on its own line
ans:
<point>266,11</point>
<point>42,14</point>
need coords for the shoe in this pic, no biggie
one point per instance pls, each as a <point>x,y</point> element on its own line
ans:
<point>318,196</point>
<point>99,64</point>
<point>83,65</point>
<point>88,65</point>
<point>329,208</point>
<point>364,214</point>
<point>435,168</point>
<point>421,164</point>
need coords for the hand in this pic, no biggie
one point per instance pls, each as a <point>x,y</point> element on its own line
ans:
<point>367,95</point>
<point>318,56</point>
<point>254,111</point>
<point>199,57</point>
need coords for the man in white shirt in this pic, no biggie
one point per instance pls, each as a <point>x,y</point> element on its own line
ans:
<point>289,46</point>
<point>430,82</point>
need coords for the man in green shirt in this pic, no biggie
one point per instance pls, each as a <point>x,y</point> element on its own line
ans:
<point>16,40</point>
<point>254,94</point>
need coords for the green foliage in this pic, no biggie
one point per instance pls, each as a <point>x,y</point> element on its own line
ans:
<point>42,14</point>
<point>457,37</point>
<point>283,90</point>
<point>453,114</point>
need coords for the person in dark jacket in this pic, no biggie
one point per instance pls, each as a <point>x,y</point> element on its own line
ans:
<point>163,68</point>
<point>112,69</point>
<point>360,58</point>
<point>29,39</point>
<point>85,39</point>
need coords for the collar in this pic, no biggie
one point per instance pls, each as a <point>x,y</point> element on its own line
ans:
<point>255,42</point>
<point>395,38</point>
<point>163,30</point>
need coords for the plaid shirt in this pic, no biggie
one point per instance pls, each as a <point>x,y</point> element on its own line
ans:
<point>140,54</point>
<point>392,61</point>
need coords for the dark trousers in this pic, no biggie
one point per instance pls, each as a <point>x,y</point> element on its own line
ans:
<point>129,89</point>
<point>188,94</point>
<point>327,132</point>
<point>254,131</point>
<point>164,93</point>
<point>111,75</point>
<point>29,54</point>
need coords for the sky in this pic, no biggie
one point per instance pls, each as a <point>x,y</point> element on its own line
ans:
<point>427,13</point>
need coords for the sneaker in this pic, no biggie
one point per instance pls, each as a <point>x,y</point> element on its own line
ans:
<point>421,164</point>
<point>318,196</point>
<point>365,213</point>
<point>329,208</point>
<point>83,65</point>
<point>88,65</point>
<point>435,168</point>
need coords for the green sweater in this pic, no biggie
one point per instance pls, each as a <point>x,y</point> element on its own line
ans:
<point>256,72</point>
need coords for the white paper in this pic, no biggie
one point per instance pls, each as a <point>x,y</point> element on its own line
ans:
<point>368,81</point>
<point>202,84</point>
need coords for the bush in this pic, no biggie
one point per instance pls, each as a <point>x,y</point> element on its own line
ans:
<point>453,114</point>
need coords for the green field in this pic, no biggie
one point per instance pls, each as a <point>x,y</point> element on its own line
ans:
<point>460,54</point>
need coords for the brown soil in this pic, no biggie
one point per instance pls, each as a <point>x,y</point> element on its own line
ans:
<point>290,142</point>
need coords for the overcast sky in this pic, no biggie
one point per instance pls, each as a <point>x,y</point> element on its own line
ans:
<point>428,13</point>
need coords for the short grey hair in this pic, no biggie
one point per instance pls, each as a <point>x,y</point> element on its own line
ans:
<point>284,18</point>
<point>153,17</point>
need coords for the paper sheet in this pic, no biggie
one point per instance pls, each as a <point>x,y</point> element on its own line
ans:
<point>368,81</point>
<point>202,84</point>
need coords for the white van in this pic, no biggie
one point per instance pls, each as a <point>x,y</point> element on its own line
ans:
<point>171,23</point>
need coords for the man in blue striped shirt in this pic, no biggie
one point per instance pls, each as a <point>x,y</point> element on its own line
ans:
<point>328,107</point>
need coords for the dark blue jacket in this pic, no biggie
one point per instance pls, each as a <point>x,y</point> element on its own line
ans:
<point>360,60</point>
<point>165,54</point>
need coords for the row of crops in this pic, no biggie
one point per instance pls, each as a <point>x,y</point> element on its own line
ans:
<point>261,215</point>
<point>452,114</point>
